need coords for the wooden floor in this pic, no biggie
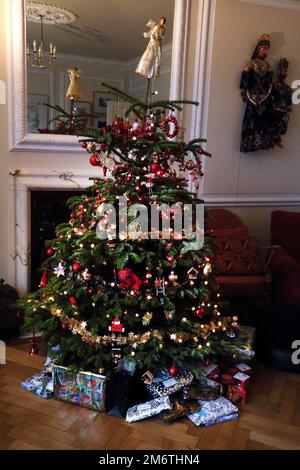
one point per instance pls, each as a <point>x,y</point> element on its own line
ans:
<point>270,420</point>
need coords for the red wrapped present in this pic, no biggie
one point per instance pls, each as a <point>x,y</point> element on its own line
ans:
<point>236,394</point>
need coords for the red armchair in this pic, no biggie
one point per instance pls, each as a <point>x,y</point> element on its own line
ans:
<point>241,270</point>
<point>285,264</point>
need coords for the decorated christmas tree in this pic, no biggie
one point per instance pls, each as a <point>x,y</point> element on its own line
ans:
<point>122,282</point>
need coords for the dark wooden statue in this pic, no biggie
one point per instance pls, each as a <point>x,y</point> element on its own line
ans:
<point>268,104</point>
<point>256,90</point>
<point>282,102</point>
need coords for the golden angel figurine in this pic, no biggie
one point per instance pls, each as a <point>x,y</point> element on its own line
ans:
<point>149,65</point>
<point>74,92</point>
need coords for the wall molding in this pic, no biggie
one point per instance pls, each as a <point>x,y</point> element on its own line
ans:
<point>21,182</point>
<point>251,200</point>
<point>283,4</point>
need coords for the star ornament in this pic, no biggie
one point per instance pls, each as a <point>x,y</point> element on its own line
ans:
<point>173,336</point>
<point>83,325</point>
<point>60,270</point>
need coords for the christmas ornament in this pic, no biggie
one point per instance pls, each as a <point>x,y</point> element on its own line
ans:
<point>207,269</point>
<point>76,267</point>
<point>173,277</point>
<point>173,371</point>
<point>169,126</point>
<point>60,270</point>
<point>64,326</point>
<point>94,160</point>
<point>50,252</point>
<point>91,147</point>
<point>169,314</point>
<point>129,279</point>
<point>147,318</point>
<point>116,326</point>
<point>189,165</point>
<point>86,276</point>
<point>72,300</point>
<point>43,282</point>
<point>192,274</point>
<point>160,287</point>
<point>200,311</point>
<point>34,350</point>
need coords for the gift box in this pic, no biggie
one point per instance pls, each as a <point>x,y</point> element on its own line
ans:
<point>236,394</point>
<point>212,411</point>
<point>212,371</point>
<point>179,410</point>
<point>148,409</point>
<point>40,384</point>
<point>204,389</point>
<point>80,388</point>
<point>172,385</point>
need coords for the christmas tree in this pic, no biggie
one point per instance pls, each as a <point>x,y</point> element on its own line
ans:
<point>116,288</point>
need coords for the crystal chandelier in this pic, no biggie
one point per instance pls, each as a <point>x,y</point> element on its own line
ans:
<point>37,12</point>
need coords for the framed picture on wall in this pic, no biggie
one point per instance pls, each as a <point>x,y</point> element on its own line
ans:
<point>100,100</point>
<point>37,112</point>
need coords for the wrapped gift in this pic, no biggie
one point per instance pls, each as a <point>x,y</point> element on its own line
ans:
<point>146,410</point>
<point>227,379</point>
<point>172,385</point>
<point>224,419</point>
<point>180,409</point>
<point>40,384</point>
<point>244,368</point>
<point>204,389</point>
<point>212,411</point>
<point>80,388</point>
<point>236,394</point>
<point>212,371</point>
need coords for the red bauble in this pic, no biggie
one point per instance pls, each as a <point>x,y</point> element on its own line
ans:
<point>50,252</point>
<point>94,160</point>
<point>72,300</point>
<point>84,145</point>
<point>129,279</point>
<point>173,371</point>
<point>76,267</point>
<point>200,311</point>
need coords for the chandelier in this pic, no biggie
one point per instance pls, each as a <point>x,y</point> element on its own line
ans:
<point>37,12</point>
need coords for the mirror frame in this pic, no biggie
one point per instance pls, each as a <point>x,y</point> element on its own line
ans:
<point>20,140</point>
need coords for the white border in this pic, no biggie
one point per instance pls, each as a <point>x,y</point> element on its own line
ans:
<point>19,139</point>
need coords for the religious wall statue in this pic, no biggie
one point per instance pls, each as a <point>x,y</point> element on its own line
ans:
<point>266,115</point>
<point>149,65</point>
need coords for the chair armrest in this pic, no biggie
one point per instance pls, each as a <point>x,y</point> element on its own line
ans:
<point>283,261</point>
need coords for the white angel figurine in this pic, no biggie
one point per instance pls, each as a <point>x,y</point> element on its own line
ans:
<point>149,65</point>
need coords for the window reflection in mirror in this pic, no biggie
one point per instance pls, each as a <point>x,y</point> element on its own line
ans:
<point>104,40</point>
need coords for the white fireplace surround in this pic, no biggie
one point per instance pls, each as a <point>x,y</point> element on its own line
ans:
<point>20,185</point>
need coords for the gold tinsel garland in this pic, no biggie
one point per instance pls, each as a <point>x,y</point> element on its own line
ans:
<point>78,327</point>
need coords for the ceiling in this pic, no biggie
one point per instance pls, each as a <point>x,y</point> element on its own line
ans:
<point>106,29</point>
